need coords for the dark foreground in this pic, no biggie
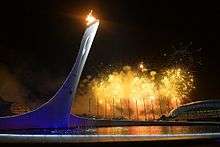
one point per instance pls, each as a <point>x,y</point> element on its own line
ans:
<point>207,139</point>
<point>188,135</point>
<point>14,138</point>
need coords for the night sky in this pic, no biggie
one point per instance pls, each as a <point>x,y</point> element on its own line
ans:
<point>39,41</point>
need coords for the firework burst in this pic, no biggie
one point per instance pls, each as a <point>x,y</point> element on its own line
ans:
<point>138,93</point>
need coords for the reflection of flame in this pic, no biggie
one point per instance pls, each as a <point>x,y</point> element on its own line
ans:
<point>141,130</point>
<point>90,19</point>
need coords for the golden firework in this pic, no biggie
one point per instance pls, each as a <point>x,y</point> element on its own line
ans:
<point>129,91</point>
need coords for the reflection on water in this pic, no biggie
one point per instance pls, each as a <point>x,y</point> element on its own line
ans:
<point>129,130</point>
<point>156,130</point>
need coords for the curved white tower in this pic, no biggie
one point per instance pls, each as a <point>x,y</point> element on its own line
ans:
<point>56,112</point>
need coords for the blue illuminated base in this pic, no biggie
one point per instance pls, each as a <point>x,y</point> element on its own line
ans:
<point>56,112</point>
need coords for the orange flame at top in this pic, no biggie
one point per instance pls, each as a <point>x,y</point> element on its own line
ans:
<point>90,19</point>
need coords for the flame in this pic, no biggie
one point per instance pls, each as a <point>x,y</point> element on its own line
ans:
<point>90,18</point>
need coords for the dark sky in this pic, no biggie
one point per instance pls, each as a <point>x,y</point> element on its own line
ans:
<point>40,39</point>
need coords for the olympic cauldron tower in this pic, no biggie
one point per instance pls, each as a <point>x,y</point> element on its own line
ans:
<point>56,112</point>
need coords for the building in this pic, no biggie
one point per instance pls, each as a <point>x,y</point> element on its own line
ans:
<point>207,110</point>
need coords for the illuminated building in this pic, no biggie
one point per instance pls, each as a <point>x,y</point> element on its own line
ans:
<point>200,110</point>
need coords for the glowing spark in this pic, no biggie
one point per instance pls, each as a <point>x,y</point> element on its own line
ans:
<point>90,18</point>
<point>142,68</point>
<point>100,102</point>
<point>152,97</point>
<point>160,92</point>
<point>176,84</point>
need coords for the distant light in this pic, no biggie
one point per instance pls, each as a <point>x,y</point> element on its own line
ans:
<point>141,66</point>
<point>90,18</point>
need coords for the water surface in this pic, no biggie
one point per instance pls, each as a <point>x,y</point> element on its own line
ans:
<point>127,130</point>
